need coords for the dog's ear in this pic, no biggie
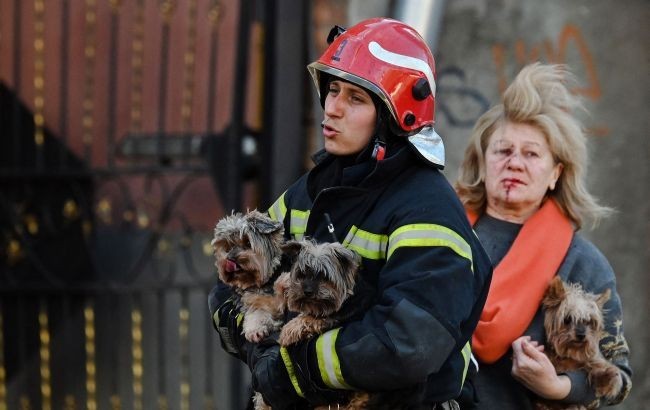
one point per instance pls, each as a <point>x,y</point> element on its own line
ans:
<point>262,223</point>
<point>291,249</point>
<point>603,298</point>
<point>349,261</point>
<point>348,258</point>
<point>555,293</point>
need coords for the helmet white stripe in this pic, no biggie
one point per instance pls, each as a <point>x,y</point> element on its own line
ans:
<point>403,61</point>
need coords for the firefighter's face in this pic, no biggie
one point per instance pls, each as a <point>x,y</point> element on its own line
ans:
<point>350,118</point>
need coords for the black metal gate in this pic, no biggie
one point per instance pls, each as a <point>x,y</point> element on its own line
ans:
<point>105,257</point>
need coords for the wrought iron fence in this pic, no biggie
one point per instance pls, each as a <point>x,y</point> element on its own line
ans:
<point>108,195</point>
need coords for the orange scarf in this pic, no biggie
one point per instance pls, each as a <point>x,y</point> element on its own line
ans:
<point>520,280</point>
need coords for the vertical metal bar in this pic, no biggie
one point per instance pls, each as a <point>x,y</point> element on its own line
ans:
<point>209,374</point>
<point>188,69</point>
<point>114,350</point>
<point>16,125</point>
<point>162,373</point>
<point>44,355</point>
<point>137,58</point>
<point>136,351</point>
<point>63,83</point>
<point>266,142</point>
<point>286,137</point>
<point>167,9</point>
<point>39,81</point>
<point>112,82</point>
<point>214,15</point>
<point>69,398</point>
<point>232,198</point>
<point>183,333</point>
<point>91,366</point>
<point>87,119</point>
<point>3,371</point>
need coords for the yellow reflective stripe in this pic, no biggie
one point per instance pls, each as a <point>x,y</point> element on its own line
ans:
<point>298,223</point>
<point>328,360</point>
<point>428,235</point>
<point>467,353</point>
<point>278,210</point>
<point>367,244</point>
<point>288,364</point>
<point>239,318</point>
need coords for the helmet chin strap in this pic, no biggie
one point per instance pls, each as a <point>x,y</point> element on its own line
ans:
<point>379,149</point>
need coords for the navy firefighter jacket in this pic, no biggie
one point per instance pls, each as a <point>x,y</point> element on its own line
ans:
<point>430,273</point>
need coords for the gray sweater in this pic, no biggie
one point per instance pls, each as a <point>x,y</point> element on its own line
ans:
<point>584,264</point>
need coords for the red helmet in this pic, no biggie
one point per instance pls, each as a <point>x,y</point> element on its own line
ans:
<point>390,59</point>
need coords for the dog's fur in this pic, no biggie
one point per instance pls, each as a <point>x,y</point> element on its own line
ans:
<point>247,250</point>
<point>321,279</point>
<point>574,325</point>
<point>325,288</point>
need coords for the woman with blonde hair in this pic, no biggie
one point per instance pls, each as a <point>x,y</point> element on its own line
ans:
<point>522,182</point>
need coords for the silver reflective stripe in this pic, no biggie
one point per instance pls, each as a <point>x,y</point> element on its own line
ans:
<point>467,354</point>
<point>328,360</point>
<point>298,223</point>
<point>367,244</point>
<point>428,235</point>
<point>278,210</point>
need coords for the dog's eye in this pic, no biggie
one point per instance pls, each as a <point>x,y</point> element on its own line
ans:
<point>246,242</point>
<point>567,320</point>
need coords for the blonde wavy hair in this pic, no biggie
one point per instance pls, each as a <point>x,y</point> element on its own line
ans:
<point>538,96</point>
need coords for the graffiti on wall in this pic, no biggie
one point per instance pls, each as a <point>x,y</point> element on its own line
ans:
<point>571,44</point>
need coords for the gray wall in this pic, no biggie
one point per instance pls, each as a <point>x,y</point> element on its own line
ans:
<point>483,43</point>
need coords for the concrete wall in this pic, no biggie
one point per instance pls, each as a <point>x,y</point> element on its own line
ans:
<point>483,44</point>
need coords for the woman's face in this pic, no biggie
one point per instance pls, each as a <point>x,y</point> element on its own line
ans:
<point>350,118</point>
<point>519,169</point>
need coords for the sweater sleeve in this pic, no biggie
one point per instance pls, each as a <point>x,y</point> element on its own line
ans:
<point>590,268</point>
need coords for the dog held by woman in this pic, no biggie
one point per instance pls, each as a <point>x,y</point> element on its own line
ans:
<point>573,321</point>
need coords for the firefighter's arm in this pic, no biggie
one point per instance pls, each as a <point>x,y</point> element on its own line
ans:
<point>408,335</point>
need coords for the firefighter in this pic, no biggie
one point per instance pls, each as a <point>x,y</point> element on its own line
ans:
<point>378,188</point>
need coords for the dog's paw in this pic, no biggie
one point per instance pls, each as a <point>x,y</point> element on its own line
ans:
<point>255,336</point>
<point>606,381</point>
<point>291,333</point>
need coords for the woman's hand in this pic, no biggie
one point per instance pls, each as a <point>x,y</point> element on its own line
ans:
<point>533,369</point>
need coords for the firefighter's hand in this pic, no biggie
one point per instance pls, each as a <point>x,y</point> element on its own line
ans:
<point>227,320</point>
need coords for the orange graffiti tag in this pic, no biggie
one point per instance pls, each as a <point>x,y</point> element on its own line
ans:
<point>570,36</point>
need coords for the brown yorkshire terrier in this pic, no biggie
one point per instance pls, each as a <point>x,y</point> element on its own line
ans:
<point>321,278</point>
<point>573,321</point>
<point>325,289</point>
<point>247,250</point>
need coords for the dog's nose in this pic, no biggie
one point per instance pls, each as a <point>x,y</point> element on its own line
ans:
<point>581,332</point>
<point>308,289</point>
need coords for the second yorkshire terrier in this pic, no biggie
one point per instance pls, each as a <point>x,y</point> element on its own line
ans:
<point>574,325</point>
<point>324,287</point>
<point>247,250</point>
<point>321,278</point>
